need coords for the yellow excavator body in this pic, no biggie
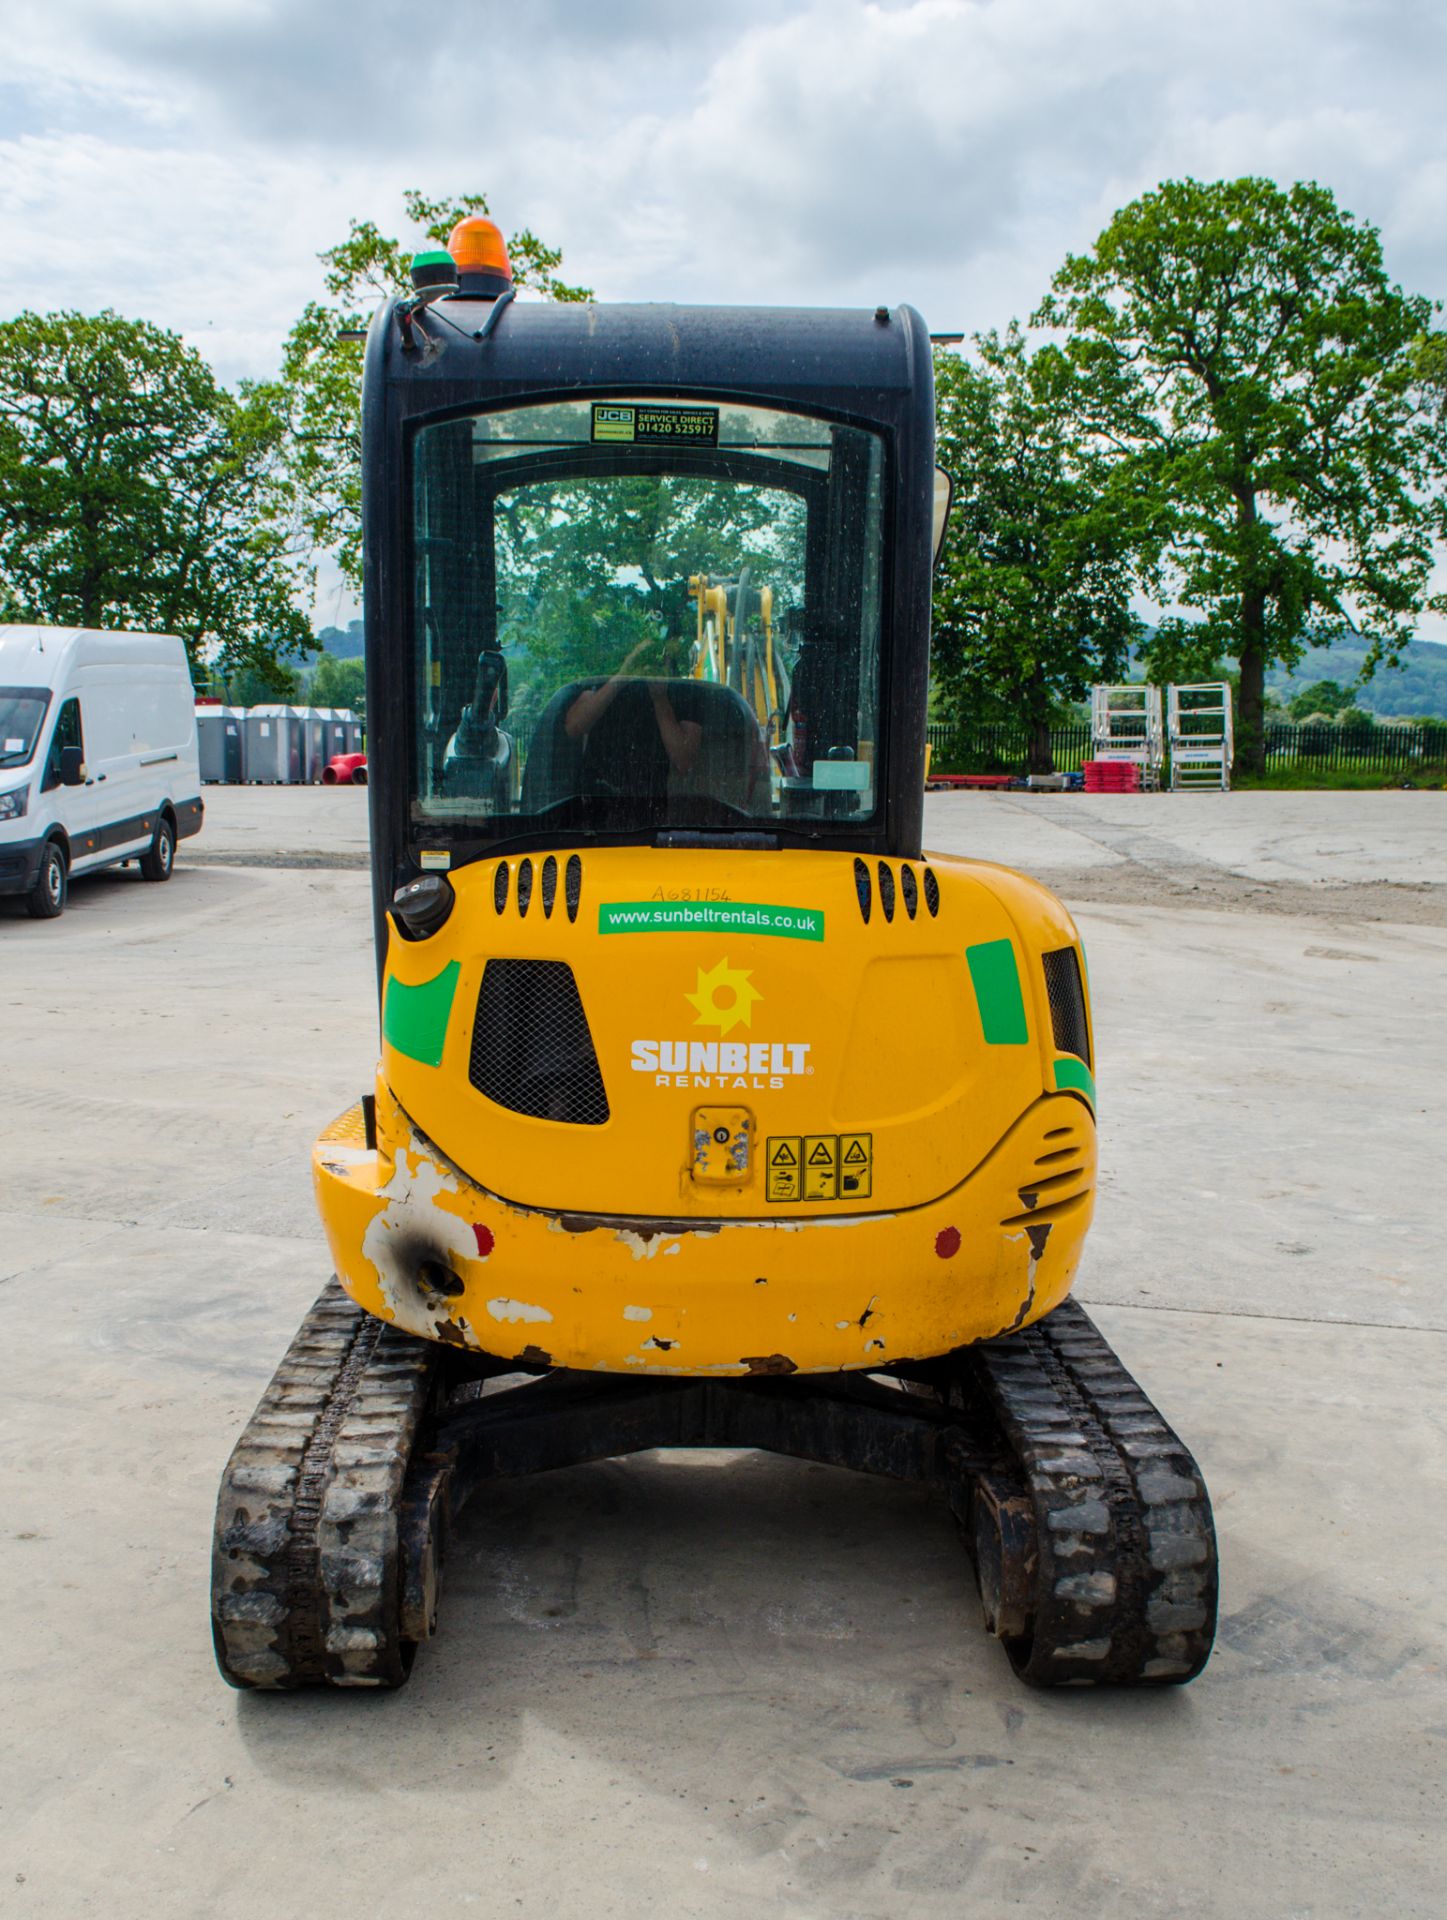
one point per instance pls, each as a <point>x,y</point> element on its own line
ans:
<point>721,1112</point>
<point>711,1111</point>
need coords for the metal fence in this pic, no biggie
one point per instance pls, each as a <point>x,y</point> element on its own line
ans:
<point>1368,749</point>
<point>1002,748</point>
<point>1324,749</point>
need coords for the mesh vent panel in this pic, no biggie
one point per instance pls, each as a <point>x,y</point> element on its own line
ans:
<point>1067,1002</point>
<point>531,1048</point>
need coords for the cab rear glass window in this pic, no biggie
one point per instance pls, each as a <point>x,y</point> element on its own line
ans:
<point>645,613</point>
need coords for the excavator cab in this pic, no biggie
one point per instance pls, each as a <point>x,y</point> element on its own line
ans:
<point>711,1110</point>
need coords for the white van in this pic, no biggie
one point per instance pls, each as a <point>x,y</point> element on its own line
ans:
<point>97,757</point>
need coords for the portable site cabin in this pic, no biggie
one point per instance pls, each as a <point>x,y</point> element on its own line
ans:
<point>276,747</point>
<point>220,739</point>
<point>329,731</point>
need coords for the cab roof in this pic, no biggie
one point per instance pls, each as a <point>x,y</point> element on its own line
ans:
<point>822,354</point>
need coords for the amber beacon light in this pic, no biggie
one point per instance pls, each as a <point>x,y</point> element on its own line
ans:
<point>480,252</point>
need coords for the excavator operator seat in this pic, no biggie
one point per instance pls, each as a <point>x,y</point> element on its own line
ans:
<point>730,767</point>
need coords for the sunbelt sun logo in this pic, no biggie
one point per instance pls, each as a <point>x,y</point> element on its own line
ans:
<point>724,998</point>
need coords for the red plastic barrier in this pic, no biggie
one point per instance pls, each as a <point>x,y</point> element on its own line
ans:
<point>1112,776</point>
<point>345,769</point>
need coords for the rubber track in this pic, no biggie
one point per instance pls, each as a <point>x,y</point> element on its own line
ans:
<point>1126,1577</point>
<point>305,1584</point>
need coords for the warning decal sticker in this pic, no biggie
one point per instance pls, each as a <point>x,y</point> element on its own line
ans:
<point>781,1164</point>
<point>856,1166</point>
<point>819,1166</point>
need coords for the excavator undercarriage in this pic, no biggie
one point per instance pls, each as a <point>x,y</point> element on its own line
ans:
<point>1086,1518</point>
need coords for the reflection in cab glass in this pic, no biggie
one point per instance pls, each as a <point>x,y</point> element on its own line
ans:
<point>637,615</point>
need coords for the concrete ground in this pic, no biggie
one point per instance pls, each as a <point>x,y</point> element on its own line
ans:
<point>724,1685</point>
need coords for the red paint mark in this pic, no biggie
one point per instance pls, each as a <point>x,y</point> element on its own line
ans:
<point>484,1239</point>
<point>947,1242</point>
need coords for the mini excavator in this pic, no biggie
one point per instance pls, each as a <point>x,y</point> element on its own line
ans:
<point>711,1111</point>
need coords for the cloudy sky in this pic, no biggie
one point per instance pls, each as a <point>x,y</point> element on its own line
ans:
<point>184,160</point>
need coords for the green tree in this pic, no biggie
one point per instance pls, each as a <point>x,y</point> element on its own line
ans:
<point>253,686</point>
<point>338,683</point>
<point>1245,350</point>
<point>588,569</point>
<point>129,489</point>
<point>320,392</point>
<point>1430,367</point>
<point>1032,594</point>
<point>1320,696</point>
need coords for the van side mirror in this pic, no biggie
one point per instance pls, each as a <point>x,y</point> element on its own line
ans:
<point>72,767</point>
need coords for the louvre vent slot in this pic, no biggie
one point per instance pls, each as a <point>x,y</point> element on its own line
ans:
<point>1067,1002</point>
<point>931,892</point>
<point>573,885</point>
<point>886,890</point>
<point>499,887</point>
<point>909,887</point>
<point>531,1049</point>
<point>863,888</point>
<point>550,886</point>
<point>525,886</point>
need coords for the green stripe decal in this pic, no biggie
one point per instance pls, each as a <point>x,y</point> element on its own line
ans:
<point>1073,1076</point>
<point>996,977</point>
<point>414,1019</point>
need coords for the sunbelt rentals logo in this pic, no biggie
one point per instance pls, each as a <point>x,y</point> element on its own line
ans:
<point>724,999</point>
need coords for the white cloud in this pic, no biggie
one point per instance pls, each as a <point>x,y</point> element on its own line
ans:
<point>942,151</point>
<point>185,162</point>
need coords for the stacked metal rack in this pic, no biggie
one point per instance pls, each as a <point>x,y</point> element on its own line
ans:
<point>1126,728</point>
<point>1200,736</point>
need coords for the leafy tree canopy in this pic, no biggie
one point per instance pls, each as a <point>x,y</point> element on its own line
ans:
<point>1244,349</point>
<point>128,488</point>
<point>1431,370</point>
<point>320,391</point>
<point>589,569</point>
<point>1322,696</point>
<point>338,683</point>
<point>1032,595</point>
<point>252,686</point>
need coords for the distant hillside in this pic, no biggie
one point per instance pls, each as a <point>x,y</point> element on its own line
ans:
<point>1419,686</point>
<point>342,643</point>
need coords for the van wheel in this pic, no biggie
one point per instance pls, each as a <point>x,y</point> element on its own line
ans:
<point>46,899</point>
<point>160,857</point>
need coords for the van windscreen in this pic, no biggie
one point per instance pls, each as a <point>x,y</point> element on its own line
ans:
<point>21,711</point>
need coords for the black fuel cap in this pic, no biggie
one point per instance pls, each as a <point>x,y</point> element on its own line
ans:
<point>423,905</point>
